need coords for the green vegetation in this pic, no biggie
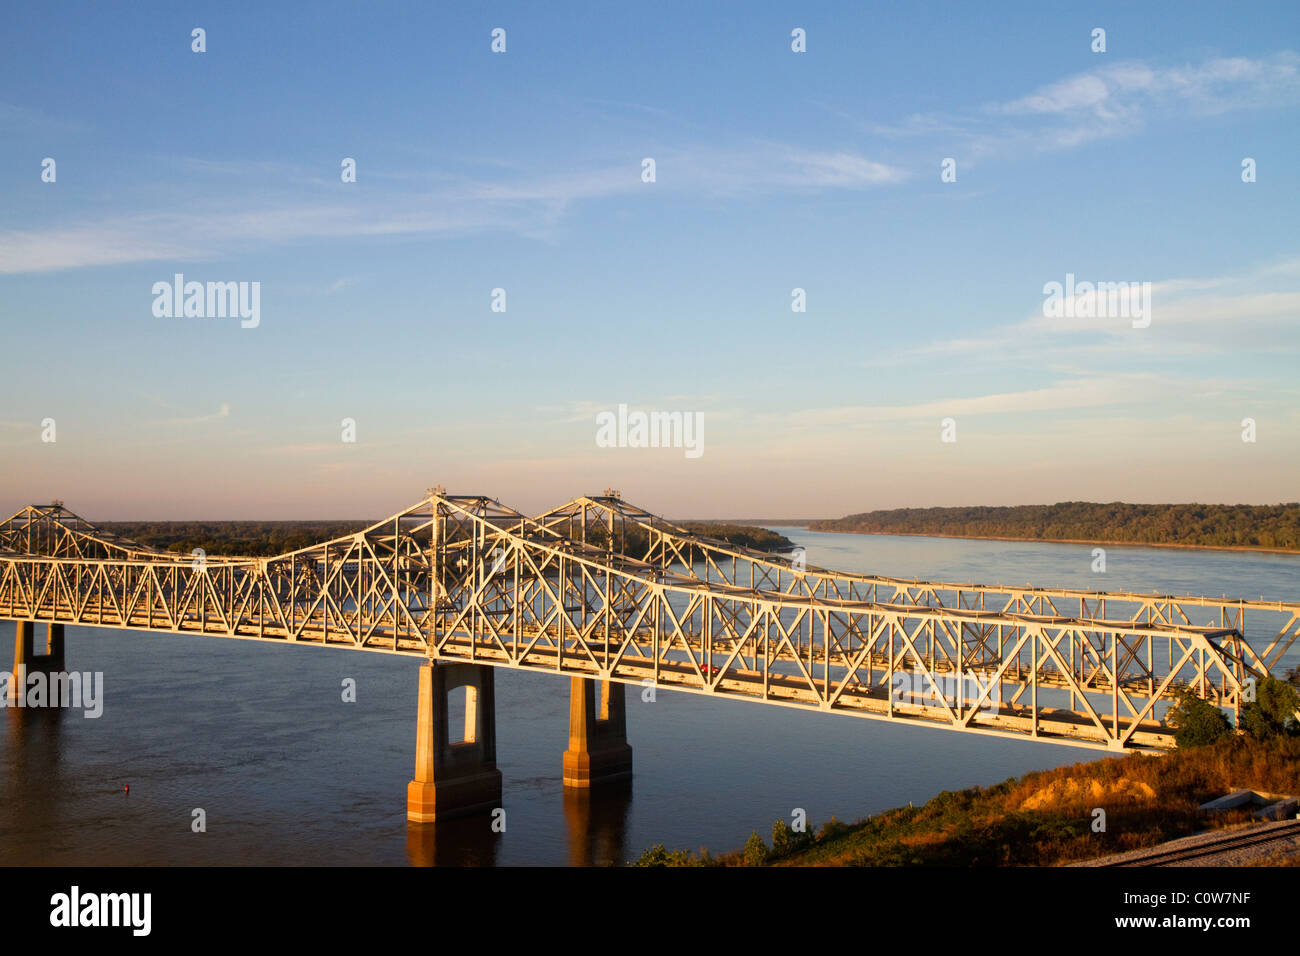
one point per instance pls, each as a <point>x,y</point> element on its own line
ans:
<point>746,535</point>
<point>634,540</point>
<point>658,856</point>
<point>785,840</point>
<point>1272,712</point>
<point>1197,722</point>
<point>1224,526</point>
<point>755,852</point>
<point>245,538</point>
<point>1047,818</point>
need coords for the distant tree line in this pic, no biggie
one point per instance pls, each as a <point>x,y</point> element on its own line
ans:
<point>748,536</point>
<point>1249,526</point>
<point>268,538</point>
<point>258,539</point>
<point>634,540</point>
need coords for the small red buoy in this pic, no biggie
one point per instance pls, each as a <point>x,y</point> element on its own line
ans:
<point>127,788</point>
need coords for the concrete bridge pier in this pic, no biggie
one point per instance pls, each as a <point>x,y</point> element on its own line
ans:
<point>26,660</point>
<point>454,777</point>
<point>598,749</point>
<point>24,652</point>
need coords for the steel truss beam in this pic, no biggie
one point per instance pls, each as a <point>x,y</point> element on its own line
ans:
<point>465,578</point>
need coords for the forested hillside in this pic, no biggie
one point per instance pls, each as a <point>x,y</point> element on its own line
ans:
<point>1249,526</point>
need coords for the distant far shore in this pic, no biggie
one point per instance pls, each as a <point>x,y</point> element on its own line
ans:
<point>1273,529</point>
<point>1122,544</point>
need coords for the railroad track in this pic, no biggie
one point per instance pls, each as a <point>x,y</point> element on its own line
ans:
<point>1233,841</point>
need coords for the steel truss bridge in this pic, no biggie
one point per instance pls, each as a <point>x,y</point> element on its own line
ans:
<point>598,588</point>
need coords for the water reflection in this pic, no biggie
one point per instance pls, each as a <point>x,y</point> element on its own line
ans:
<point>597,824</point>
<point>34,780</point>
<point>463,841</point>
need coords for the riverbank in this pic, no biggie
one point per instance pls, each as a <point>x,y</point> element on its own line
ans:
<point>1271,528</point>
<point>1045,818</point>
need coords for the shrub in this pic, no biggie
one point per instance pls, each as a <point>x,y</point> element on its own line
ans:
<point>1272,712</point>
<point>1196,721</point>
<point>782,838</point>
<point>832,828</point>
<point>755,850</point>
<point>786,840</point>
<point>658,856</point>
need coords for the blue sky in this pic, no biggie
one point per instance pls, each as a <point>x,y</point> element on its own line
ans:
<point>521,170</point>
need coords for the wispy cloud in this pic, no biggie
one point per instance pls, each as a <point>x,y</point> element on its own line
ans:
<point>1213,86</point>
<point>14,118</point>
<point>523,205</point>
<point>1067,394</point>
<point>1110,101</point>
<point>194,236</point>
<point>222,412</point>
<point>586,411</point>
<point>1204,311</point>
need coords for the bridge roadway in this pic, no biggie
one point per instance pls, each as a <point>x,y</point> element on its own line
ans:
<point>610,595</point>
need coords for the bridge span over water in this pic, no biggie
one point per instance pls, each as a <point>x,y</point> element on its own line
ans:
<point>608,594</point>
